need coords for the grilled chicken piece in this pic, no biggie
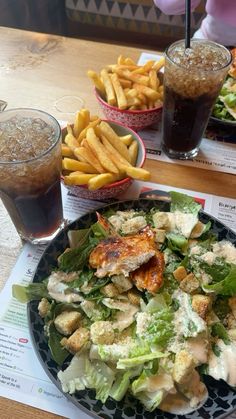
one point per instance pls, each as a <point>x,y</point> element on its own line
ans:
<point>150,275</point>
<point>121,255</point>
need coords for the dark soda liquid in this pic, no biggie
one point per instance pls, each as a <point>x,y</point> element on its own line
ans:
<point>37,214</point>
<point>184,120</point>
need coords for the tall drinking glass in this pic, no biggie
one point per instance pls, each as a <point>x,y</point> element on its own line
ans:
<point>192,80</point>
<point>30,167</point>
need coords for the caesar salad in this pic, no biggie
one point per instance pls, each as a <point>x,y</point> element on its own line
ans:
<point>142,303</point>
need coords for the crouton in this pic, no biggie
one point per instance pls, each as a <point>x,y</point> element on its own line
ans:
<point>67,322</point>
<point>189,284</point>
<point>134,297</point>
<point>122,283</point>
<point>44,307</point>
<point>102,333</point>
<point>161,220</point>
<point>201,304</point>
<point>160,235</point>
<point>180,273</point>
<point>110,290</point>
<point>76,341</point>
<point>183,367</point>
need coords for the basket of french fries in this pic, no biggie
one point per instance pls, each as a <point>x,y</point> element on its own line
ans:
<point>130,94</point>
<point>100,158</point>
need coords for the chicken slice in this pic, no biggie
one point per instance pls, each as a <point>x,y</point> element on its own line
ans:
<point>150,275</point>
<point>121,255</point>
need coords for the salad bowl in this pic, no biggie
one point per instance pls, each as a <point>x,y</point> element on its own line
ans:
<point>221,398</point>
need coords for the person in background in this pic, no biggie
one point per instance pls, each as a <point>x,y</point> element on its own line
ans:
<point>219,25</point>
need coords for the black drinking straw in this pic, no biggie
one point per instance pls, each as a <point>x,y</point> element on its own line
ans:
<point>187,22</point>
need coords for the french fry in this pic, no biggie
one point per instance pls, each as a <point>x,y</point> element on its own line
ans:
<point>120,96</point>
<point>121,60</point>
<point>114,139</point>
<point>115,156</point>
<point>78,178</point>
<point>97,81</point>
<point>75,165</point>
<point>153,80</point>
<point>137,173</point>
<point>111,98</point>
<point>79,124</point>
<point>125,83</point>
<point>136,78</point>
<point>100,151</point>
<point>86,116</point>
<point>133,152</point>
<point>66,151</point>
<point>126,139</point>
<point>129,61</point>
<point>147,91</point>
<point>71,141</point>
<point>101,180</point>
<point>145,68</point>
<point>89,157</point>
<point>90,125</point>
<point>159,64</point>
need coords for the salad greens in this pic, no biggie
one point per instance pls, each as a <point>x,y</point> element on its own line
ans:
<point>125,338</point>
<point>225,106</point>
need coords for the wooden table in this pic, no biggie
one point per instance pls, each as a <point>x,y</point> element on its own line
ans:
<point>35,71</point>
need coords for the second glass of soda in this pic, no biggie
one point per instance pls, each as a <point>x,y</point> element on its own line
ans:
<point>192,81</point>
<point>30,170</point>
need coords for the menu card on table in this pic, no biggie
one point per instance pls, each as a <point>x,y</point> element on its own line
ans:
<point>22,377</point>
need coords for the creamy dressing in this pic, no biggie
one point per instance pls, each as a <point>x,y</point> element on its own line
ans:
<point>223,366</point>
<point>57,289</point>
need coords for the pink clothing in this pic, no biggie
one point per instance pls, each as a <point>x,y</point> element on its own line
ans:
<point>220,23</point>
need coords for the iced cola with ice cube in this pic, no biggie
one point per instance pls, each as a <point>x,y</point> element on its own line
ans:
<point>192,80</point>
<point>30,168</point>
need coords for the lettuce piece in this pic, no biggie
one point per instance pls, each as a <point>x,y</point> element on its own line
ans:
<point>59,354</point>
<point>133,362</point>
<point>99,377</point>
<point>219,330</point>
<point>177,242</point>
<point>76,259</point>
<point>155,304</point>
<point>225,287</point>
<point>151,389</point>
<point>77,237</point>
<point>121,385</point>
<point>160,328</point>
<point>83,373</point>
<point>230,100</point>
<point>72,378</point>
<point>183,203</point>
<point>218,270</point>
<point>32,291</point>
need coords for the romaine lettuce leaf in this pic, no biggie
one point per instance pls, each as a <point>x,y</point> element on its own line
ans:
<point>139,360</point>
<point>183,203</point>
<point>32,291</point>
<point>225,287</point>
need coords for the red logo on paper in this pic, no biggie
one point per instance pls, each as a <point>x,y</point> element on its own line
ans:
<point>23,340</point>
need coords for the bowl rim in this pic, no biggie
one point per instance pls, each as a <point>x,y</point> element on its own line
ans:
<point>124,180</point>
<point>126,111</point>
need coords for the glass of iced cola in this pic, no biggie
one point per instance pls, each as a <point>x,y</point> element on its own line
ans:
<point>30,167</point>
<point>192,80</point>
